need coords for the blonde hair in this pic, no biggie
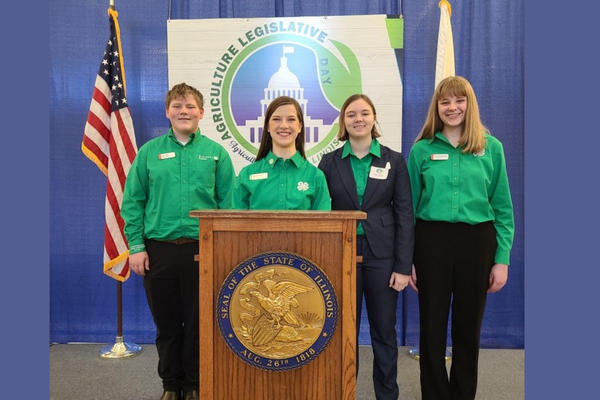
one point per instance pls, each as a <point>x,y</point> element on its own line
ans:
<point>472,139</point>
<point>342,132</point>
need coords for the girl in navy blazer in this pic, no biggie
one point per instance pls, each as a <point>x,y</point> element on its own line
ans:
<point>368,176</point>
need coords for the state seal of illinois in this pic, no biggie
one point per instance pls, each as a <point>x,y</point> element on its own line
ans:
<point>277,311</point>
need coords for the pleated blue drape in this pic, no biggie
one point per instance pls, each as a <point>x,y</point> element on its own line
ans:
<point>489,49</point>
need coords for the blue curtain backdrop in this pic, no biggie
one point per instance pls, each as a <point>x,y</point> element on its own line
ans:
<point>489,49</point>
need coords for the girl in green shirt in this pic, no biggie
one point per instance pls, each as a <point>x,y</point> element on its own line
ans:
<point>463,235</point>
<point>281,178</point>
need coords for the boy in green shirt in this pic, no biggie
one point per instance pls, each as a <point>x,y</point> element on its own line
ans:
<point>170,176</point>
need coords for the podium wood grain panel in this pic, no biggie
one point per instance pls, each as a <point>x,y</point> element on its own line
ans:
<point>327,239</point>
<point>269,225</point>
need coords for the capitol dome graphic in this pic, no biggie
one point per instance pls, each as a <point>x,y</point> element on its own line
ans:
<point>284,82</point>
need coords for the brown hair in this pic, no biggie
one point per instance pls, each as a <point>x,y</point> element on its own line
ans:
<point>342,132</point>
<point>472,139</point>
<point>266,142</point>
<point>183,90</point>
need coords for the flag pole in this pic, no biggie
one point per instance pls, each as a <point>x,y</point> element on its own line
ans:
<point>121,348</point>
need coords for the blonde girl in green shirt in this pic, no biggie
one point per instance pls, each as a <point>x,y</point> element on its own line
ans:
<point>463,235</point>
<point>281,178</point>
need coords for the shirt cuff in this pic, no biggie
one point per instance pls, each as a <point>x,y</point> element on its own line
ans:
<point>137,248</point>
<point>502,257</point>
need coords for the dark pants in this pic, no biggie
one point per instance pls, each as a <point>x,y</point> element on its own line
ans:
<point>372,280</point>
<point>172,291</point>
<point>453,263</point>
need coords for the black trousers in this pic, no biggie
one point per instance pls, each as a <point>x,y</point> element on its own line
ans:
<point>453,263</point>
<point>171,287</point>
<point>372,281</point>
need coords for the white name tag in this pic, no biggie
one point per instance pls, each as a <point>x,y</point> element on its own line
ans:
<point>437,157</point>
<point>379,173</point>
<point>164,156</point>
<point>256,177</point>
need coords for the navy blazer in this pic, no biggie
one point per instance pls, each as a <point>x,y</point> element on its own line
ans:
<point>389,227</point>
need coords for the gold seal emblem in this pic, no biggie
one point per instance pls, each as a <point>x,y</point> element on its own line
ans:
<point>277,311</point>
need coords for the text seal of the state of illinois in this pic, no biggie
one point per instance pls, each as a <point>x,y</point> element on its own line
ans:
<point>277,311</point>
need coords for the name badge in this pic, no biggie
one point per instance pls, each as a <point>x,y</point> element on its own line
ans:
<point>256,177</point>
<point>379,172</point>
<point>438,157</point>
<point>164,156</point>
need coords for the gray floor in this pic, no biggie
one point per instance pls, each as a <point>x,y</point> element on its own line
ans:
<point>78,372</point>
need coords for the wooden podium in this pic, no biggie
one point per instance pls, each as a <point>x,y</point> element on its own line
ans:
<point>327,238</point>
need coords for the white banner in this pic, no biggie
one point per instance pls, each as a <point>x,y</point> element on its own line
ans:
<point>444,61</point>
<point>240,65</point>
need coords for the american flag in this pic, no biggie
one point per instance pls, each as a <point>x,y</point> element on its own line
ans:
<point>109,141</point>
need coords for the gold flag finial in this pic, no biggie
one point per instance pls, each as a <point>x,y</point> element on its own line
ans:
<point>447,3</point>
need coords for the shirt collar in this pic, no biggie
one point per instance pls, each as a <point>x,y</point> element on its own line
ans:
<point>193,136</point>
<point>440,136</point>
<point>375,149</point>
<point>296,159</point>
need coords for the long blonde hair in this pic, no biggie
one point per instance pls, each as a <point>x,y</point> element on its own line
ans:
<point>472,139</point>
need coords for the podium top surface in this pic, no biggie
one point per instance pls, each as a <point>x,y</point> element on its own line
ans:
<point>279,214</point>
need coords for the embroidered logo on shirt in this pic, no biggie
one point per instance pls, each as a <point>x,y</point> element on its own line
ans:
<point>480,154</point>
<point>137,247</point>
<point>201,157</point>
<point>302,186</point>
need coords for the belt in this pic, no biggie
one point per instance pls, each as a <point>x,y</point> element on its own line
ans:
<point>181,241</point>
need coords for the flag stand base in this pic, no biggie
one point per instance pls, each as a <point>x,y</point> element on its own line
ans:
<point>120,349</point>
<point>414,353</point>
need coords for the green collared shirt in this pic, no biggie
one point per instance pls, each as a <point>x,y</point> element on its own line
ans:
<point>451,186</point>
<point>273,183</point>
<point>360,170</point>
<point>167,180</point>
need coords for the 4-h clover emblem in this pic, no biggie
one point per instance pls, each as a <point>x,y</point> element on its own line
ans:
<point>302,186</point>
